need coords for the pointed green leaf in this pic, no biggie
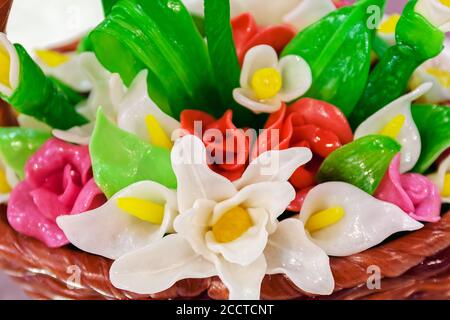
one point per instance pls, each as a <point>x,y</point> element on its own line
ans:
<point>433,123</point>
<point>362,163</point>
<point>120,159</point>
<point>17,145</point>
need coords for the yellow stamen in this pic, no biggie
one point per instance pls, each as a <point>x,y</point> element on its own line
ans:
<point>389,25</point>
<point>5,66</point>
<point>52,58</point>
<point>442,76</point>
<point>324,219</point>
<point>156,134</point>
<point>445,2</point>
<point>393,128</point>
<point>142,209</point>
<point>232,225</point>
<point>446,189</point>
<point>4,185</point>
<point>266,83</point>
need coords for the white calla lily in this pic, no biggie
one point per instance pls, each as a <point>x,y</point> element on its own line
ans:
<point>228,226</point>
<point>386,29</point>
<point>111,232</point>
<point>436,12</point>
<point>365,223</point>
<point>9,54</point>
<point>436,71</point>
<point>266,82</point>
<point>66,67</point>
<point>8,181</point>
<point>127,107</point>
<point>442,179</point>
<point>396,121</point>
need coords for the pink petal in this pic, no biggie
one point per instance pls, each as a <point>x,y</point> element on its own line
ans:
<point>90,198</point>
<point>48,204</point>
<point>25,217</point>
<point>71,186</point>
<point>391,190</point>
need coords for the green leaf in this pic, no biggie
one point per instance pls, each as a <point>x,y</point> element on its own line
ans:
<point>17,145</point>
<point>120,159</point>
<point>417,41</point>
<point>433,123</point>
<point>338,49</point>
<point>222,53</point>
<point>362,163</point>
<point>160,36</point>
<point>107,5</point>
<point>41,97</point>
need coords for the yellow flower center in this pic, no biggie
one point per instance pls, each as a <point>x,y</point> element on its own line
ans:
<point>388,26</point>
<point>52,58</point>
<point>266,83</point>
<point>233,224</point>
<point>445,2</point>
<point>4,185</point>
<point>142,209</point>
<point>442,76</point>
<point>324,219</point>
<point>393,128</point>
<point>446,189</point>
<point>156,134</point>
<point>5,66</point>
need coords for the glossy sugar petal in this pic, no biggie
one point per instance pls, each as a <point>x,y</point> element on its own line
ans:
<point>308,12</point>
<point>439,177</point>
<point>297,77</point>
<point>366,223</point>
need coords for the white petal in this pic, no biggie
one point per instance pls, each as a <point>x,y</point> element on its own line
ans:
<point>194,178</point>
<point>274,197</point>
<point>195,7</point>
<point>268,12</point>
<point>110,232</point>
<point>246,98</point>
<point>274,165</point>
<point>297,77</point>
<point>159,266</point>
<point>11,177</point>
<point>434,11</point>
<point>366,223</point>
<point>409,136</point>
<point>290,252</point>
<point>247,248</point>
<point>70,73</point>
<point>78,135</point>
<point>309,12</point>
<point>257,58</point>
<point>439,177</point>
<point>32,123</point>
<point>14,66</point>
<point>136,105</point>
<point>194,224</point>
<point>107,92</point>
<point>243,283</point>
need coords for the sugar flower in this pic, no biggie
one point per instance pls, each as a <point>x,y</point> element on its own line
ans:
<point>58,182</point>
<point>413,193</point>
<point>229,230</point>
<point>442,179</point>
<point>267,82</point>
<point>344,220</point>
<point>436,71</point>
<point>395,120</point>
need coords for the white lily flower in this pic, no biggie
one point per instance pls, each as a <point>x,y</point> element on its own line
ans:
<point>228,229</point>
<point>386,29</point>
<point>266,82</point>
<point>133,218</point>
<point>437,12</point>
<point>442,179</point>
<point>128,108</point>
<point>66,67</point>
<point>436,71</point>
<point>395,120</point>
<point>298,13</point>
<point>8,181</point>
<point>344,220</point>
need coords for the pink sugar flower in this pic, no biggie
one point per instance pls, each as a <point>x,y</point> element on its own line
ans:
<point>413,193</point>
<point>58,182</point>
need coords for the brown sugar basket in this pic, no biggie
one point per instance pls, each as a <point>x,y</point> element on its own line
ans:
<point>414,266</point>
